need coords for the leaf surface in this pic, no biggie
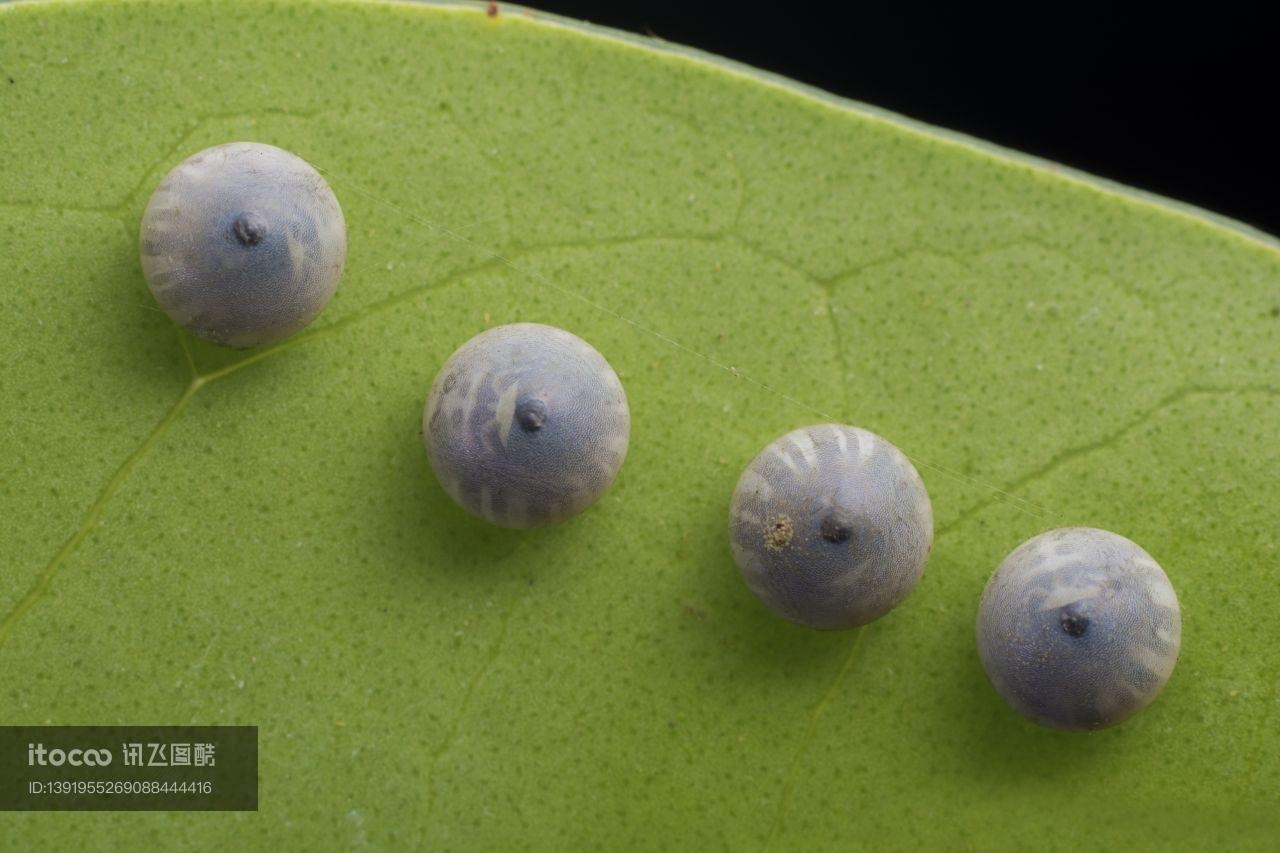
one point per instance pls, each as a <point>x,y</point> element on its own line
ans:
<point>200,536</point>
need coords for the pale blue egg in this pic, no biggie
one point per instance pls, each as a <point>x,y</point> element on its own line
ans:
<point>1079,628</point>
<point>526,425</point>
<point>831,526</point>
<point>243,244</point>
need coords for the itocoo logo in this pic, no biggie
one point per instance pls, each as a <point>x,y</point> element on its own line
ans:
<point>38,755</point>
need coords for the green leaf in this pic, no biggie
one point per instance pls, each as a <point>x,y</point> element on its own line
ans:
<point>199,536</point>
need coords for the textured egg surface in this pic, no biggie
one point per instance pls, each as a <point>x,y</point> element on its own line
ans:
<point>831,526</point>
<point>1079,628</point>
<point>526,425</point>
<point>243,244</point>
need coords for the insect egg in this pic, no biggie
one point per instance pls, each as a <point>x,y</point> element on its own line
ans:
<point>831,526</point>
<point>1079,628</point>
<point>243,244</point>
<point>526,425</point>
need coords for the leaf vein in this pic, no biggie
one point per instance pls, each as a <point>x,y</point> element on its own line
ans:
<point>806,740</point>
<point>1109,440</point>
<point>91,517</point>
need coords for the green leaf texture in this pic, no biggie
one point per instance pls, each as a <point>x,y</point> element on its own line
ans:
<point>193,535</point>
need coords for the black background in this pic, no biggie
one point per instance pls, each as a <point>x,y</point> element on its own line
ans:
<point>1181,102</point>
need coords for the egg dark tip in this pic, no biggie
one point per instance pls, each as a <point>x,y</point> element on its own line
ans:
<point>836,527</point>
<point>531,414</point>
<point>1073,624</point>
<point>249,229</point>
